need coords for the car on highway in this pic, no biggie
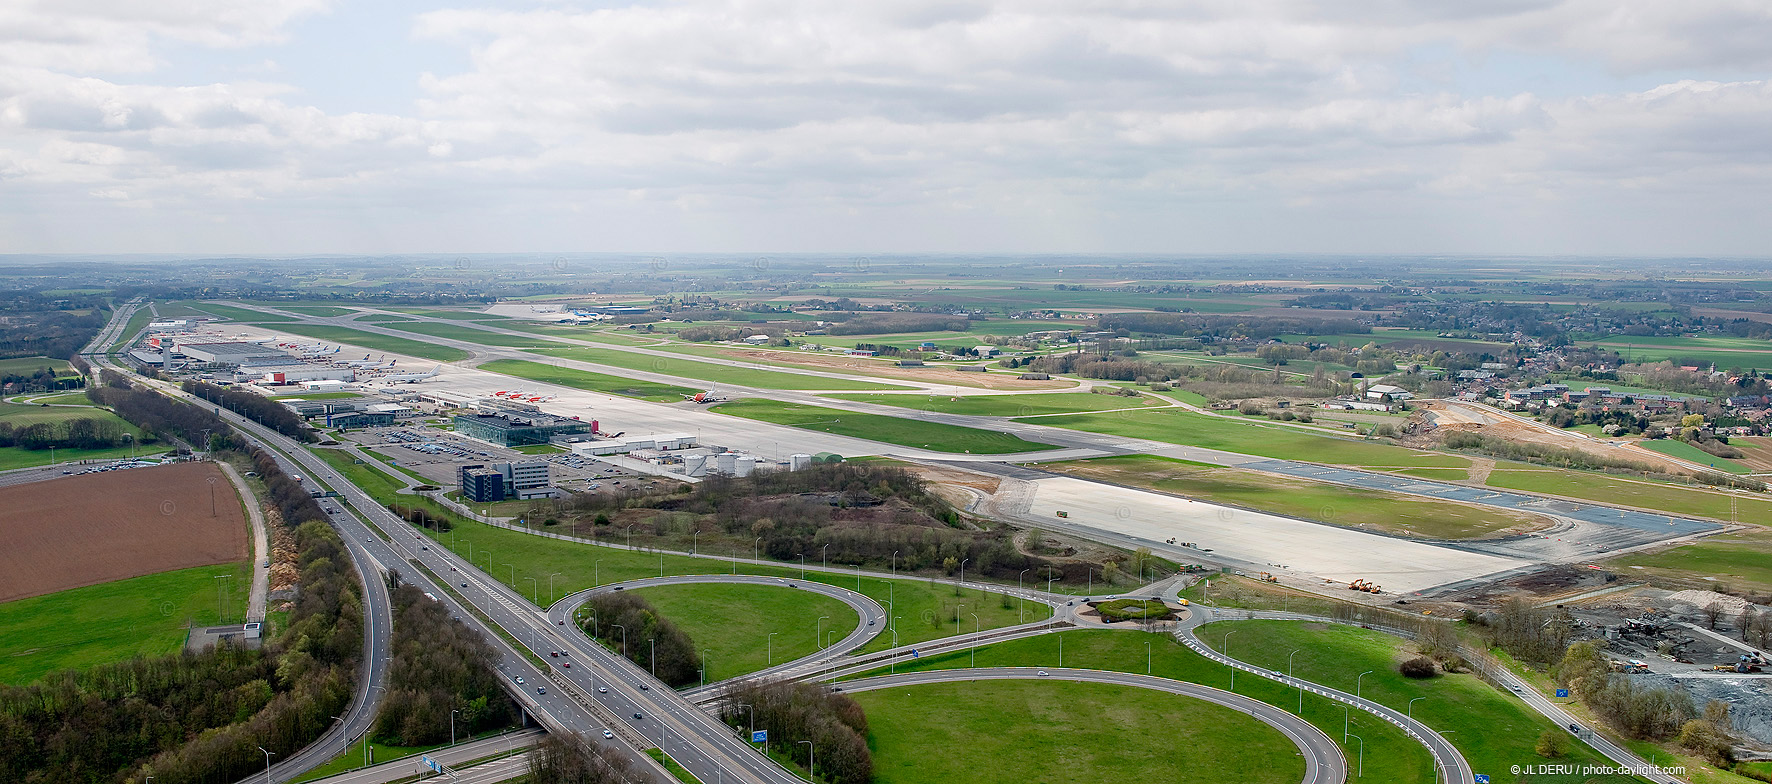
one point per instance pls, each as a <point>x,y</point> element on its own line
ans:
<point>541,690</point>
<point>555,654</point>
<point>1042,673</point>
<point>562,622</point>
<point>519,679</point>
<point>607,734</point>
<point>645,687</point>
<point>602,689</point>
<point>567,665</point>
<point>638,716</point>
<point>464,585</point>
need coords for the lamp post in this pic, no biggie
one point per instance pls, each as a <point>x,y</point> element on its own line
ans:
<point>1357,683</point>
<point>757,549</point>
<point>770,647</point>
<point>1411,711</point>
<point>624,638</point>
<point>1300,685</point>
<point>452,726</point>
<point>895,563</point>
<point>802,566</point>
<point>808,759</point>
<point>977,626</point>
<point>551,587</point>
<point>1147,657</point>
<point>753,715</point>
<point>513,574</point>
<point>597,573</point>
<point>1020,601</point>
<point>267,764</point>
<point>962,575</point>
<point>1227,653</point>
<point>824,560</point>
<point>818,631</point>
<point>534,590</point>
<point>654,657</point>
<point>1361,770</point>
<point>957,610</point>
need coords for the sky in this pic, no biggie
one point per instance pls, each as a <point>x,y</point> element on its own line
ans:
<point>1536,127</point>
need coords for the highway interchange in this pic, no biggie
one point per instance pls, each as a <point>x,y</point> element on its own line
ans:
<point>608,692</point>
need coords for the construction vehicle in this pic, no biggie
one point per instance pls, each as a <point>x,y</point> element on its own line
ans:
<point>1362,585</point>
<point>1062,513</point>
<point>1268,577</point>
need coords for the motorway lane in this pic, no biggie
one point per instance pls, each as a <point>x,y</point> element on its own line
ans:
<point>395,770</point>
<point>1324,763</point>
<point>373,556</point>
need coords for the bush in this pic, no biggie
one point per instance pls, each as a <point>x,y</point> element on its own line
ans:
<point>1418,667</point>
<point>1552,744</point>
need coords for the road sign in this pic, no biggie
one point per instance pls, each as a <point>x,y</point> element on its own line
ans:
<point>760,736</point>
<point>1562,692</point>
<point>431,763</point>
<point>1482,778</point>
<point>914,653</point>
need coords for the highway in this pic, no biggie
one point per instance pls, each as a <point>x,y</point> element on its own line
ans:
<point>1323,761</point>
<point>449,756</point>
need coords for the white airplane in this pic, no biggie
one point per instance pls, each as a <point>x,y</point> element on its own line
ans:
<point>358,363</point>
<point>389,365</point>
<point>413,378</point>
<point>709,396</point>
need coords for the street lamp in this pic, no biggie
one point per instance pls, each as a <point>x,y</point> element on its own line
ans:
<point>818,631</point>
<point>769,647</point>
<point>1227,654</point>
<point>452,726</point>
<point>824,556</point>
<point>977,626</point>
<point>1411,712</point>
<point>1361,772</point>
<point>551,587</point>
<point>757,549</point>
<point>1300,685</point>
<point>267,764</point>
<point>1357,683</point>
<point>808,759</point>
<point>752,714</point>
<point>957,609</point>
<point>895,563</point>
<point>1147,657</point>
<point>624,638</point>
<point>802,566</point>
<point>534,590</point>
<point>962,575</point>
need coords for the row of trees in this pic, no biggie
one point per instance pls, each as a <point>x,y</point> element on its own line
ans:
<point>81,433</point>
<point>439,665</point>
<point>630,625</point>
<point>258,408</point>
<point>154,414</point>
<point>794,713</point>
<point>568,758</point>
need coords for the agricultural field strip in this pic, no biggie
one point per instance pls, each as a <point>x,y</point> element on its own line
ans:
<point>1532,697</point>
<point>1324,763</point>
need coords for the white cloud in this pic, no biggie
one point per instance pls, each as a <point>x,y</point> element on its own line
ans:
<point>763,117</point>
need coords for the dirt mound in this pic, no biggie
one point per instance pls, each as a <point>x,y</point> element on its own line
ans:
<point>85,530</point>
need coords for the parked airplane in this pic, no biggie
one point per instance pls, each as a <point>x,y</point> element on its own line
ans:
<point>704,397</point>
<point>413,378</point>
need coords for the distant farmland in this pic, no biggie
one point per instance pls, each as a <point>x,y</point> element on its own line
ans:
<point>85,530</point>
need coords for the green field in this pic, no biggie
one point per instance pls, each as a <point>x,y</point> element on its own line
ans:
<point>925,609</point>
<point>1338,504</point>
<point>1686,451</point>
<point>375,341</point>
<point>20,415</point>
<point>1491,728</point>
<point>1659,496</point>
<point>458,315</point>
<point>1391,756</point>
<point>374,481</point>
<point>237,314</point>
<point>24,366</point>
<point>1007,405</point>
<point>708,371</point>
<point>1048,731</point>
<point>1177,426</point>
<point>1742,561</point>
<point>381,318</point>
<point>584,379</point>
<point>472,335</point>
<point>732,624</point>
<point>875,427</point>
<point>19,457</point>
<point>141,616</point>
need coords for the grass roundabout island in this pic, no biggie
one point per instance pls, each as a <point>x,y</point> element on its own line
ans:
<point>732,623</point>
<point>1031,731</point>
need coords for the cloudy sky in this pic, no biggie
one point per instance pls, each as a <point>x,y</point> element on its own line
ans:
<point>1389,126</point>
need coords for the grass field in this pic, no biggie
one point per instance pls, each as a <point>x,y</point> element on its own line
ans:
<point>1338,504</point>
<point>875,427</point>
<point>21,415</point>
<point>1050,731</point>
<point>1660,496</point>
<point>1685,451</point>
<point>25,366</point>
<point>373,480</point>
<point>1492,729</point>
<point>237,314</point>
<point>708,371</point>
<point>1741,560</point>
<point>141,616</point>
<point>732,624</point>
<point>376,342</point>
<point>75,398</point>
<point>1177,426</point>
<point>472,335</point>
<point>18,457</point>
<point>1391,756</point>
<point>584,379</point>
<point>458,315</point>
<point>925,608</point>
<point>1007,405</point>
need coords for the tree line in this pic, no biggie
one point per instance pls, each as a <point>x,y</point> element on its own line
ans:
<point>439,665</point>
<point>155,414</point>
<point>79,433</point>
<point>650,640</point>
<point>571,759</point>
<point>793,712</point>
<point>258,408</point>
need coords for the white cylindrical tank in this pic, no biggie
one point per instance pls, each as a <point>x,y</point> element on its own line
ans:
<point>745,466</point>
<point>799,461</point>
<point>726,462</point>
<point>695,465</point>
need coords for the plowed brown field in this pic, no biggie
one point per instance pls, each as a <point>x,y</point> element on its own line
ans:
<point>85,530</point>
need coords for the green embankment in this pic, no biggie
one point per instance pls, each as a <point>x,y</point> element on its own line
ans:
<point>233,313</point>
<point>114,621</point>
<point>915,433</point>
<point>24,366</point>
<point>1186,428</point>
<point>1644,494</point>
<point>1686,451</point>
<point>1492,729</point>
<point>711,372</point>
<point>375,341</point>
<point>586,380</point>
<point>471,335</point>
<point>1049,731</point>
<point>744,628</point>
<point>1391,756</point>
